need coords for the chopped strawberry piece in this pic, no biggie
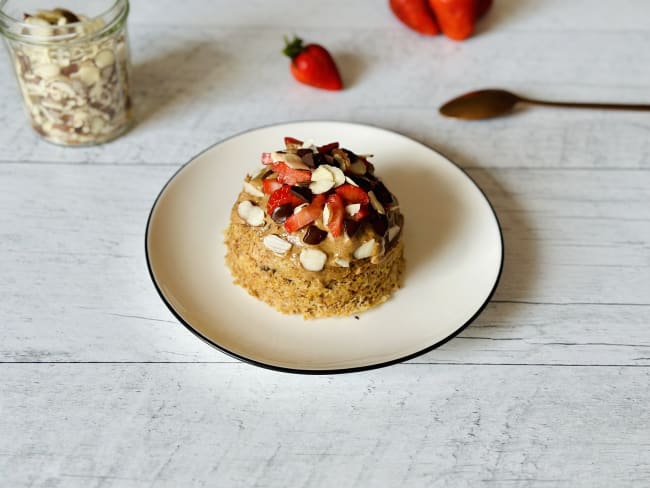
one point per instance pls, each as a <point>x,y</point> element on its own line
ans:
<point>269,185</point>
<point>299,220</point>
<point>337,212</point>
<point>266,158</point>
<point>363,212</point>
<point>352,194</point>
<point>289,175</point>
<point>282,196</point>
<point>328,147</point>
<point>319,201</point>
<point>292,142</point>
<point>306,216</point>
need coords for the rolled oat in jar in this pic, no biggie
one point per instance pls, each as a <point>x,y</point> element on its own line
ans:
<point>72,64</point>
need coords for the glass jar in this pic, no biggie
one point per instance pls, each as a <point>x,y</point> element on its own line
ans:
<point>72,65</point>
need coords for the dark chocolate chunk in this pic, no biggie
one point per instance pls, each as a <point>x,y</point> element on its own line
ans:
<point>363,181</point>
<point>379,223</point>
<point>266,174</point>
<point>382,193</point>
<point>302,192</point>
<point>314,235</point>
<point>303,150</point>
<point>307,158</point>
<point>351,227</point>
<point>353,157</point>
<point>319,159</point>
<point>282,213</point>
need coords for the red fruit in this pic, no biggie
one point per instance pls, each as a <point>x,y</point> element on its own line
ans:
<point>306,216</point>
<point>363,212</point>
<point>269,185</point>
<point>313,65</point>
<point>289,175</point>
<point>282,196</point>
<point>456,17</point>
<point>416,14</point>
<point>328,147</point>
<point>352,194</point>
<point>482,6</point>
<point>337,212</point>
<point>267,159</point>
<point>291,142</point>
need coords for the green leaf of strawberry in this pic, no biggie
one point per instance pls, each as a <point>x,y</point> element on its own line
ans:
<point>313,65</point>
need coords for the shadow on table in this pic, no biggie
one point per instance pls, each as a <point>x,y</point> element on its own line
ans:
<point>521,251</point>
<point>520,267</point>
<point>351,66</point>
<point>427,232</point>
<point>173,80</point>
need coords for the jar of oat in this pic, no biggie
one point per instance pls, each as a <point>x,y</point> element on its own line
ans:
<point>71,60</point>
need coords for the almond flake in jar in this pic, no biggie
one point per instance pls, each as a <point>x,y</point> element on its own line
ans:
<point>73,72</point>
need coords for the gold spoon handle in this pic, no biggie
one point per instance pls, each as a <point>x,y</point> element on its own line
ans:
<point>603,106</point>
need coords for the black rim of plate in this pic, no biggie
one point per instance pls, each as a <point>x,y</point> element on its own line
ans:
<point>355,369</point>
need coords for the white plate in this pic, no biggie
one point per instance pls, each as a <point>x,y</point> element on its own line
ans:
<point>454,255</point>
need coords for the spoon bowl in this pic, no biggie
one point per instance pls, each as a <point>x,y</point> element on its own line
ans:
<point>481,104</point>
<point>489,103</point>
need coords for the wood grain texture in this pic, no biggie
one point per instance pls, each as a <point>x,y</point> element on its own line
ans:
<point>76,286</point>
<point>196,84</point>
<point>133,426</point>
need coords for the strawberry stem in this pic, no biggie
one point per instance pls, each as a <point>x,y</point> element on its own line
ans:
<point>293,48</point>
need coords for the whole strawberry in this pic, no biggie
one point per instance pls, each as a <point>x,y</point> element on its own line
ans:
<point>416,14</point>
<point>312,65</point>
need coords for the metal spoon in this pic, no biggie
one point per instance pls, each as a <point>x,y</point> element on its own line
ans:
<point>485,104</point>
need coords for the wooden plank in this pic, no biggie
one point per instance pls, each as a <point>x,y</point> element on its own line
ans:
<point>75,285</point>
<point>133,426</point>
<point>191,90</point>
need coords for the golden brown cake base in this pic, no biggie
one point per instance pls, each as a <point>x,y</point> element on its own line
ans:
<point>281,282</point>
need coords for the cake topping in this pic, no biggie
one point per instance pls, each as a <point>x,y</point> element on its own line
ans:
<point>251,190</point>
<point>314,235</point>
<point>276,244</point>
<point>365,250</point>
<point>252,214</point>
<point>392,232</point>
<point>325,202</point>
<point>312,259</point>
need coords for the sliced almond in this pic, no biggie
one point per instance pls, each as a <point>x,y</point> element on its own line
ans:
<point>60,87</point>
<point>104,58</point>
<point>299,208</point>
<point>392,232</point>
<point>323,173</point>
<point>365,250</point>
<point>376,204</point>
<point>278,157</point>
<point>322,186</point>
<point>89,74</point>
<point>252,190</point>
<point>352,209</point>
<point>343,263</point>
<point>339,176</point>
<point>312,259</point>
<point>326,214</point>
<point>276,244</point>
<point>350,181</point>
<point>46,71</point>
<point>294,161</point>
<point>250,213</point>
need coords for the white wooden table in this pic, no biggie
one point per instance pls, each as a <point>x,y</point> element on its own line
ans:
<point>100,386</point>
